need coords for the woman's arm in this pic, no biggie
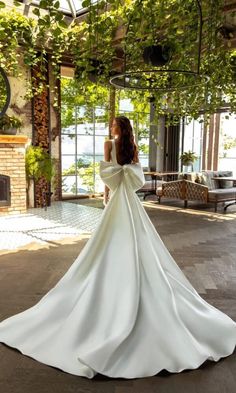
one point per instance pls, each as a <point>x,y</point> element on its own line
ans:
<point>107,157</point>
<point>136,156</point>
<point>107,151</point>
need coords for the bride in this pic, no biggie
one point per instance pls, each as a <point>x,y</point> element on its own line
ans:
<point>124,308</point>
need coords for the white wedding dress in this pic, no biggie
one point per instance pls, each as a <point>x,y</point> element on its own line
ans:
<point>124,308</point>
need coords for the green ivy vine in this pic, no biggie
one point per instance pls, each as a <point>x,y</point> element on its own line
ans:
<point>97,43</point>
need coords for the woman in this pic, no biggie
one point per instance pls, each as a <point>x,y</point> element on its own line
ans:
<point>124,308</point>
<point>125,146</point>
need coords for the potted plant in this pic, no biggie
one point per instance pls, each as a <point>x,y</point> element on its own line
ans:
<point>157,55</point>
<point>38,164</point>
<point>94,69</point>
<point>9,125</point>
<point>188,158</point>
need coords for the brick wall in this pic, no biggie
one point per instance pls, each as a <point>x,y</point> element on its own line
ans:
<point>12,163</point>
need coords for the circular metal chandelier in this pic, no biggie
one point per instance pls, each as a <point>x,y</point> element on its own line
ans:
<point>161,79</point>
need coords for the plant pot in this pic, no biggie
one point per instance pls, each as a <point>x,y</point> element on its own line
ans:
<point>11,131</point>
<point>188,167</point>
<point>157,55</point>
<point>97,68</point>
<point>30,193</point>
<point>47,199</point>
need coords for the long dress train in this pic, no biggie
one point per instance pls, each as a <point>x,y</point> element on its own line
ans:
<point>124,308</point>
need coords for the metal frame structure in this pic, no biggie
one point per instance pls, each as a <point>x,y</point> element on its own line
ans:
<point>8,92</point>
<point>72,9</point>
<point>148,79</point>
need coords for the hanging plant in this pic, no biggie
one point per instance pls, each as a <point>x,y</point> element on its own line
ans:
<point>102,36</point>
<point>94,70</point>
<point>91,42</point>
<point>175,23</point>
<point>50,38</point>
<point>33,38</point>
<point>157,55</point>
<point>16,37</point>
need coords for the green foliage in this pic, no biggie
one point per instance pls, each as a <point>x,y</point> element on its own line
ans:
<point>76,97</point>
<point>87,175</point>
<point>33,38</point>
<point>164,23</point>
<point>177,26</point>
<point>8,122</point>
<point>144,148</point>
<point>88,96</point>
<point>72,170</point>
<point>91,42</point>
<point>188,157</point>
<point>38,163</point>
<point>87,172</point>
<point>15,30</point>
<point>3,92</point>
<point>228,142</point>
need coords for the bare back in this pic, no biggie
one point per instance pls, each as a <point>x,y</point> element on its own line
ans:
<point>110,151</point>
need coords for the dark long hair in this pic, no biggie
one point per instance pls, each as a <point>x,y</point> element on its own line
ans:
<point>127,150</point>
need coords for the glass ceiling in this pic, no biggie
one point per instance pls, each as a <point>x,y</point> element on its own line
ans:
<point>70,7</point>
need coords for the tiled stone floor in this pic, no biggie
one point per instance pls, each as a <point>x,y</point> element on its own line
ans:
<point>60,220</point>
<point>202,243</point>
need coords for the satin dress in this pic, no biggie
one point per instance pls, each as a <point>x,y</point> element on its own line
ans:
<point>124,308</point>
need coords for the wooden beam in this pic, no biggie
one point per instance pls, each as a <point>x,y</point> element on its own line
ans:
<point>204,146</point>
<point>216,141</point>
<point>22,139</point>
<point>210,143</point>
<point>112,107</point>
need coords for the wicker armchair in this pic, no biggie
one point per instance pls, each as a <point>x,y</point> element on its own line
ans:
<point>190,191</point>
<point>184,190</point>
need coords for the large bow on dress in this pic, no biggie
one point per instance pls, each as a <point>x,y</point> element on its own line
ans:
<point>112,175</point>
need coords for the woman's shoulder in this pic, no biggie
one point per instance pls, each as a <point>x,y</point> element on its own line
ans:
<point>108,142</point>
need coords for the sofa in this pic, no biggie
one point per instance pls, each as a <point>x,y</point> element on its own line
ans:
<point>200,187</point>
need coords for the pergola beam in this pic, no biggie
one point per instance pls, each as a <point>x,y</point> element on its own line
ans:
<point>72,8</point>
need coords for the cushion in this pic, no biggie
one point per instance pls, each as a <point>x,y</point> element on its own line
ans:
<point>224,173</point>
<point>208,181</point>
<point>199,178</point>
<point>225,183</point>
<point>220,194</point>
<point>190,176</point>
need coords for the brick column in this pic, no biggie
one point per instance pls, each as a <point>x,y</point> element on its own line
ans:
<point>12,164</point>
<point>41,124</point>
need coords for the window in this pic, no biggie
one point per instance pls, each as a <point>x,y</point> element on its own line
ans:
<point>193,133</point>
<point>227,143</point>
<point>82,147</point>
<point>70,7</point>
<point>82,150</point>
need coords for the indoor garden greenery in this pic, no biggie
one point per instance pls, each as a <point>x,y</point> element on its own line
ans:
<point>38,163</point>
<point>90,96</point>
<point>79,105</point>
<point>97,43</point>
<point>188,157</point>
<point>8,123</point>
